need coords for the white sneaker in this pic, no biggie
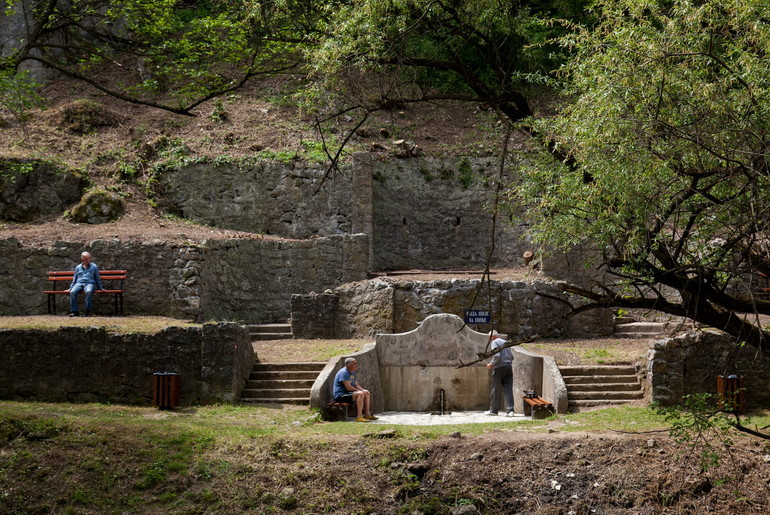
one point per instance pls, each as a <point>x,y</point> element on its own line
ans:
<point>490,413</point>
<point>509,413</point>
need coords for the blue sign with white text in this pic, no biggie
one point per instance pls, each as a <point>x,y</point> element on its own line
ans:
<point>477,316</point>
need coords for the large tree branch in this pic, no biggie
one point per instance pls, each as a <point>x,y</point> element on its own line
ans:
<point>184,110</point>
<point>698,303</point>
<point>740,427</point>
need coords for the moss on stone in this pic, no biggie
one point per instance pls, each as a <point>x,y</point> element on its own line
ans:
<point>98,206</point>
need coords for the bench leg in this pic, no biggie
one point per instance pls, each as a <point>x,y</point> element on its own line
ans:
<point>541,412</point>
<point>118,302</point>
<point>51,304</point>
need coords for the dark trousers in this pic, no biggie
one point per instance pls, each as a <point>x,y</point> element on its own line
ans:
<point>502,380</point>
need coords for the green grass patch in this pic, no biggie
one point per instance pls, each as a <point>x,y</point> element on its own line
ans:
<point>631,419</point>
<point>327,349</point>
<point>121,325</point>
<point>599,356</point>
<point>233,458</point>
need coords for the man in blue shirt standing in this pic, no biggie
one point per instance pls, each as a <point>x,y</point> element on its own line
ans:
<point>502,376</point>
<point>86,279</point>
<point>347,390</point>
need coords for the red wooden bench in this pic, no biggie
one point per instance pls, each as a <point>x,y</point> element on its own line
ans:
<point>536,407</point>
<point>333,406</point>
<point>65,277</point>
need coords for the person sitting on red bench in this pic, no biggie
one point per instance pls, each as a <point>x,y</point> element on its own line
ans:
<point>348,391</point>
<point>86,279</point>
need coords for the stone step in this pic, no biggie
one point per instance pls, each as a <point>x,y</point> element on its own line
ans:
<point>285,400</point>
<point>597,370</point>
<point>591,379</point>
<point>595,402</point>
<point>639,329</point>
<point>258,337</point>
<point>278,331</point>
<point>604,387</point>
<point>262,384</point>
<point>597,385</point>
<point>276,393</point>
<point>604,395</point>
<point>283,375</point>
<point>287,383</point>
<point>269,328</point>
<point>314,366</point>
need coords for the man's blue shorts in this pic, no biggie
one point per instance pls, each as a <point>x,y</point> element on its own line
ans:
<point>344,399</point>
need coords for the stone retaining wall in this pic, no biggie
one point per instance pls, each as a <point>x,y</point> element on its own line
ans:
<point>88,364</point>
<point>437,214</point>
<point>418,212</point>
<point>690,363</point>
<point>519,309</point>
<point>264,197</point>
<point>246,280</point>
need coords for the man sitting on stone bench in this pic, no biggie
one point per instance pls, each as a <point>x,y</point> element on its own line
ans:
<point>347,391</point>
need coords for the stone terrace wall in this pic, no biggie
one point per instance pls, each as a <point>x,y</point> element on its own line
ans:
<point>245,280</point>
<point>418,212</point>
<point>263,197</point>
<point>519,309</point>
<point>86,364</point>
<point>437,214</point>
<point>690,363</point>
<point>256,279</point>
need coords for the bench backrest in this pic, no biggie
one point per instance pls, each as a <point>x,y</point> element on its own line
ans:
<point>109,275</point>
<point>106,275</point>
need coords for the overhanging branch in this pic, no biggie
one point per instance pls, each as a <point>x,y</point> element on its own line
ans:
<point>548,330</point>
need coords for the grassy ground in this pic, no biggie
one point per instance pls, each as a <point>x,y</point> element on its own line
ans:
<point>607,351</point>
<point>93,458</point>
<point>123,324</point>
<point>231,458</point>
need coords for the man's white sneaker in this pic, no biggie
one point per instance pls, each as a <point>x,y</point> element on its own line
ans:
<point>490,413</point>
<point>509,413</point>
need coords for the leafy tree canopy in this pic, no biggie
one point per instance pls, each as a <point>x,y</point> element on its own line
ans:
<point>477,50</point>
<point>665,169</point>
<point>164,53</point>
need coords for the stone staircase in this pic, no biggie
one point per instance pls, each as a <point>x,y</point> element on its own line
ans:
<point>628,327</point>
<point>261,332</point>
<point>600,385</point>
<point>281,383</point>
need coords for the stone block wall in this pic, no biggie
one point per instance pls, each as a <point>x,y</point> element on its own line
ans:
<point>418,212</point>
<point>264,197</point>
<point>88,364</point>
<point>437,214</point>
<point>16,20</point>
<point>518,308</point>
<point>245,280</point>
<point>254,280</point>
<point>689,363</point>
<point>321,310</point>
